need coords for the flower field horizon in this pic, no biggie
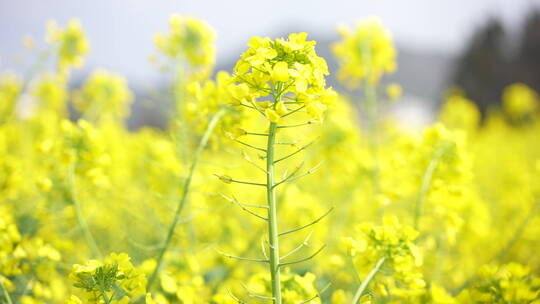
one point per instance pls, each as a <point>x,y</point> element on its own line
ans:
<point>267,185</point>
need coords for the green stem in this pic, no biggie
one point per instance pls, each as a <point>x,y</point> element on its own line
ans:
<point>104,295</point>
<point>273,233</point>
<point>426,182</point>
<point>5,292</point>
<point>90,240</point>
<point>184,197</point>
<point>372,111</point>
<point>365,282</point>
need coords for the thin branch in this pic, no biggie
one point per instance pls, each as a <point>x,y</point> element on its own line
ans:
<point>253,108</point>
<point>286,144</point>
<point>256,134</point>
<point>293,177</point>
<point>262,71</point>
<point>243,258</point>
<point>263,249</point>
<point>236,202</point>
<point>243,204</point>
<point>287,176</point>
<point>248,145</point>
<point>228,179</point>
<point>253,206</point>
<point>366,281</point>
<point>310,224</point>
<point>254,295</point>
<point>247,106</point>
<point>294,153</point>
<point>294,111</point>
<point>310,299</point>
<point>304,259</point>
<point>286,88</point>
<point>252,85</point>
<point>248,159</point>
<point>301,175</point>
<point>295,100</point>
<point>300,246</point>
<point>5,293</point>
<point>297,125</point>
<point>235,298</point>
<point>318,295</point>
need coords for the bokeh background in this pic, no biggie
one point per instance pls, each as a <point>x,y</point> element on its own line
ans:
<point>480,45</point>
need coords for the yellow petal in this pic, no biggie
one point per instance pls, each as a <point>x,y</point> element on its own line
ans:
<point>272,115</point>
<point>281,109</point>
<point>280,72</point>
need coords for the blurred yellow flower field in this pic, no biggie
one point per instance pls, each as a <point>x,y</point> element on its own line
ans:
<point>266,186</point>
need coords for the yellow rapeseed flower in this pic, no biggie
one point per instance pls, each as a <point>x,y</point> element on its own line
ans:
<point>282,68</point>
<point>71,43</point>
<point>365,52</point>
<point>189,39</point>
<point>519,101</point>
<point>104,96</point>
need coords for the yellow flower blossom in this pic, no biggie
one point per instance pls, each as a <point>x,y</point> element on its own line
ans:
<point>393,91</point>
<point>365,52</point>
<point>71,43</point>
<point>519,101</point>
<point>284,67</point>
<point>189,39</point>
<point>104,97</point>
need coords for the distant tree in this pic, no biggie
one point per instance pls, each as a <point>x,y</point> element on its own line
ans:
<point>479,68</point>
<point>491,61</point>
<point>529,53</point>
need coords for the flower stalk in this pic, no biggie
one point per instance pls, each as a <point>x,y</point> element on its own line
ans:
<point>426,183</point>
<point>89,237</point>
<point>5,293</point>
<point>273,234</point>
<point>286,78</point>
<point>185,194</point>
<point>365,282</point>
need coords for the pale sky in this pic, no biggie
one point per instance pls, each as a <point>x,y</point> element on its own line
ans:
<point>121,31</point>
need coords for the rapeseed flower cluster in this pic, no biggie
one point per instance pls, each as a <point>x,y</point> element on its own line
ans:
<point>507,283</point>
<point>191,40</point>
<point>390,250</point>
<point>271,76</point>
<point>70,43</point>
<point>113,280</point>
<point>365,53</point>
<point>520,101</point>
<point>106,94</point>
